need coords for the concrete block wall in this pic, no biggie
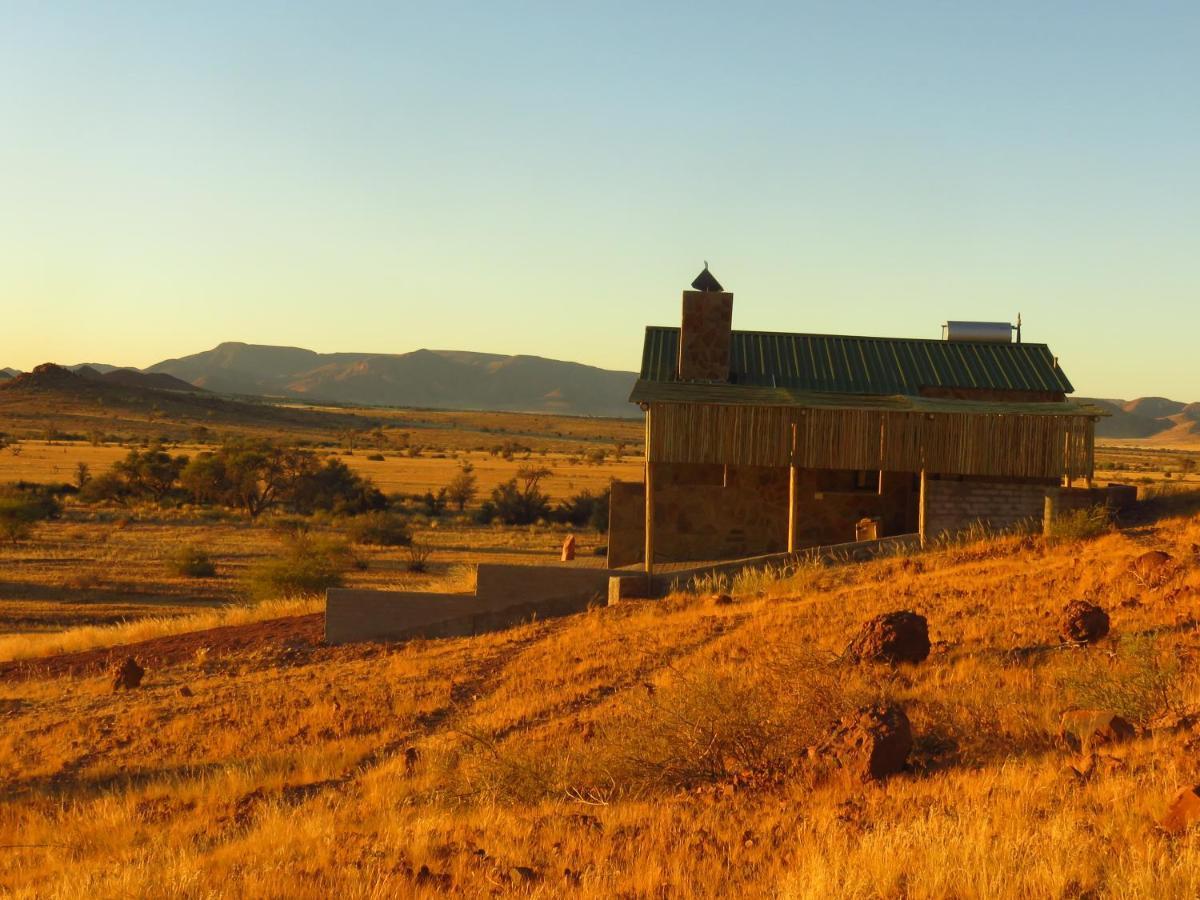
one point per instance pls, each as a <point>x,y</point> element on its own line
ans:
<point>504,596</point>
<point>949,507</point>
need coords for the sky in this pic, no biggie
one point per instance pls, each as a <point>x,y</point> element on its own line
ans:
<point>546,178</point>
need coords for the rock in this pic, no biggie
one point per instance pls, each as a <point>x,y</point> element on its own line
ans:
<point>437,880</point>
<point>894,637</point>
<point>874,742</point>
<point>1083,622</point>
<point>1151,566</point>
<point>1183,811</point>
<point>1082,729</point>
<point>722,600</point>
<point>568,548</point>
<point>127,675</point>
<point>523,874</point>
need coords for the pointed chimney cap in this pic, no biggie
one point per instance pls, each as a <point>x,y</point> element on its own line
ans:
<point>707,282</point>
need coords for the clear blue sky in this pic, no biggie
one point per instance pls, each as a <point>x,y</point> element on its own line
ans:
<point>546,178</point>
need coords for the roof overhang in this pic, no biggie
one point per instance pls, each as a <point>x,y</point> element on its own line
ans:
<point>717,394</point>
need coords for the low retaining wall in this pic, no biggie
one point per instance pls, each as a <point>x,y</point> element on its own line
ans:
<point>640,586</point>
<point>504,596</point>
<point>949,507</point>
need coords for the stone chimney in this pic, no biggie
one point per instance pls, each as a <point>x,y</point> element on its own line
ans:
<point>704,339</point>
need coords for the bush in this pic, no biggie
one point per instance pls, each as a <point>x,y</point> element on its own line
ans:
<point>381,529</point>
<point>749,722</point>
<point>307,569</point>
<point>1139,681</point>
<point>418,557</point>
<point>22,507</point>
<point>585,509</point>
<point>522,502</point>
<point>1082,524</point>
<point>191,562</point>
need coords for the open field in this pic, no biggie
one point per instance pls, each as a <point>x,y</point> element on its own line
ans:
<point>108,567</point>
<point>518,763</point>
<point>1134,463</point>
<point>55,462</point>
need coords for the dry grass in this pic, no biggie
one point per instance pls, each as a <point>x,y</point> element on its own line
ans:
<point>286,775</point>
<point>91,637</point>
<point>101,569</point>
<point>396,473</point>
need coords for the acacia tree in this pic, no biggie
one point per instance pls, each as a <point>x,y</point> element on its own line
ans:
<point>259,477</point>
<point>463,486</point>
<point>520,500</point>
<point>151,472</point>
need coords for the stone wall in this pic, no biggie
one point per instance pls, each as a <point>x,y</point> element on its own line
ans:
<point>504,596</point>
<point>951,506</point>
<point>706,336</point>
<point>829,503</point>
<point>626,523</point>
<point>706,512</point>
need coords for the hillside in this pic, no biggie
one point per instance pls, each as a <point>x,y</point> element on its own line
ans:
<point>1151,422</point>
<point>669,749</point>
<point>85,401</point>
<point>444,379</point>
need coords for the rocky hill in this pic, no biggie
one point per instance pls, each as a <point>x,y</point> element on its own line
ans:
<point>447,379</point>
<point>1156,421</point>
<point>85,400</point>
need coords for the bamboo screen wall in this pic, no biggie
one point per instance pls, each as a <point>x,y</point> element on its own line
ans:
<point>999,444</point>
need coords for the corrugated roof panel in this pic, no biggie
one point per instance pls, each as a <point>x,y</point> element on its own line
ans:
<point>866,365</point>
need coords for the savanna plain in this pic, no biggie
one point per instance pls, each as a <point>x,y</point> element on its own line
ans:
<point>672,748</point>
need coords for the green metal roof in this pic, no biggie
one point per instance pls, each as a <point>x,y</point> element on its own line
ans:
<point>720,394</point>
<point>827,363</point>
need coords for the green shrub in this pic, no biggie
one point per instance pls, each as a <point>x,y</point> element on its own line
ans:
<point>380,529</point>
<point>308,568</point>
<point>21,507</point>
<point>1081,524</point>
<point>1140,681</point>
<point>191,562</point>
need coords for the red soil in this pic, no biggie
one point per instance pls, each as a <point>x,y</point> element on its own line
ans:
<point>272,634</point>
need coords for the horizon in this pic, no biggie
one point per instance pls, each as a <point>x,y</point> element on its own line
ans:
<point>546,182</point>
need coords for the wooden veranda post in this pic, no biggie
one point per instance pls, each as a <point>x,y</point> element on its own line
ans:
<point>791,538</point>
<point>649,503</point>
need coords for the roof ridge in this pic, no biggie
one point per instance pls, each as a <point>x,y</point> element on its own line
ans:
<point>863,337</point>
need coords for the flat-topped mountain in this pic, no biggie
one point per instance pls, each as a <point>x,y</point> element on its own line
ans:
<point>423,378</point>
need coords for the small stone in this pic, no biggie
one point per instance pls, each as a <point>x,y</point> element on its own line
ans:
<point>523,873</point>
<point>128,675</point>
<point>894,637</point>
<point>1151,566</point>
<point>568,548</point>
<point>1083,622</point>
<point>1183,811</point>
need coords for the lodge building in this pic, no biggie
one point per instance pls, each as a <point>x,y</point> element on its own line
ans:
<point>764,442</point>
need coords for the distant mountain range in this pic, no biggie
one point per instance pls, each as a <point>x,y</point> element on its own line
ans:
<point>1154,420</point>
<point>440,379</point>
<point>456,379</point>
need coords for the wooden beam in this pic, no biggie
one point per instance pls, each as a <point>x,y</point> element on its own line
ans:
<point>649,503</point>
<point>791,544</point>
